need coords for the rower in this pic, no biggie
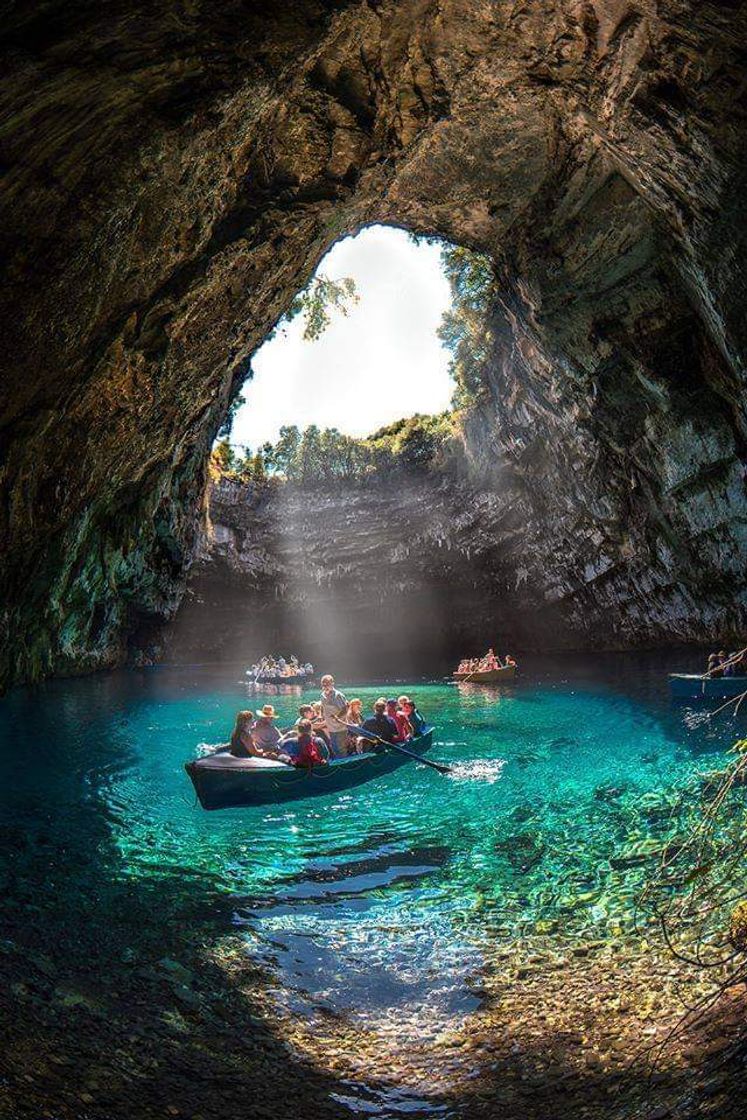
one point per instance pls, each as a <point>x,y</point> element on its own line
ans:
<point>380,723</point>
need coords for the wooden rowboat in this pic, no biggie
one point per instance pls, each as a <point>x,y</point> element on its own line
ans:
<point>224,782</point>
<point>693,686</point>
<point>296,679</point>
<point>488,676</point>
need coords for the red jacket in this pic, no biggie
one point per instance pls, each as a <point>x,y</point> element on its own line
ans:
<point>310,751</point>
<point>404,727</point>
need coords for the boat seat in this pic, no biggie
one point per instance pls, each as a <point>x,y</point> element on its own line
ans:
<point>230,762</point>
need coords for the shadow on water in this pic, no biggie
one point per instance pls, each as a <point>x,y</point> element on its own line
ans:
<point>140,995</point>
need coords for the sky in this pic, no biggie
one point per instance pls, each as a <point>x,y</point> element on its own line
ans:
<point>380,363</point>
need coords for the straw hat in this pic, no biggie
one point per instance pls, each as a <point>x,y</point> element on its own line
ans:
<point>268,712</point>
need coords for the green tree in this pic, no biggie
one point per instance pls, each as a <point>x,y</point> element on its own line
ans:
<point>319,299</point>
<point>224,431</point>
<point>284,457</point>
<point>310,457</point>
<point>243,466</point>
<point>465,327</point>
<point>224,456</point>
<point>258,469</point>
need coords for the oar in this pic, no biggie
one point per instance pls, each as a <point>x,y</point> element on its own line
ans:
<point>442,768</point>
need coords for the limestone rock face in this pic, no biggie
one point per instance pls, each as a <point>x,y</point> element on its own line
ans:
<point>398,573</point>
<point>174,171</point>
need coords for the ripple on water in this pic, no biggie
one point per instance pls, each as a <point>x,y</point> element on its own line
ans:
<point>478,770</point>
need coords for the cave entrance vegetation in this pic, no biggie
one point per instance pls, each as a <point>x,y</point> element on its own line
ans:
<point>173,175</point>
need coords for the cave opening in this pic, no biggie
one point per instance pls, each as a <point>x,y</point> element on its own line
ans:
<point>342,462</point>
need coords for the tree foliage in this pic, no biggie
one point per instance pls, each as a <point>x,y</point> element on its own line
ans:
<point>465,327</point>
<point>224,432</point>
<point>318,457</point>
<point>317,302</point>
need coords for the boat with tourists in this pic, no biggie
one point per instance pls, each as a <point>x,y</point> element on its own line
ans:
<point>488,676</point>
<point>696,686</point>
<point>486,670</point>
<point>222,781</point>
<point>723,679</point>
<point>276,670</point>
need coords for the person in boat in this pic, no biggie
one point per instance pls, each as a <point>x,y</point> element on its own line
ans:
<point>354,715</point>
<point>355,711</point>
<point>318,724</point>
<point>380,724</point>
<point>306,711</point>
<point>310,749</point>
<point>408,706</point>
<point>508,661</point>
<point>334,711</point>
<point>242,744</point>
<point>404,727</point>
<point>264,732</point>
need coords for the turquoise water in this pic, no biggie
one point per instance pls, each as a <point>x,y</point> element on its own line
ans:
<point>380,903</point>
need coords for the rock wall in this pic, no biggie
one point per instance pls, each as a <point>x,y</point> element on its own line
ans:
<point>174,172</point>
<point>399,573</point>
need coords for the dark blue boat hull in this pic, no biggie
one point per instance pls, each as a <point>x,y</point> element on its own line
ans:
<point>691,686</point>
<point>224,783</point>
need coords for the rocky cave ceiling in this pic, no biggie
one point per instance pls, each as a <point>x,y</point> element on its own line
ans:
<point>172,173</point>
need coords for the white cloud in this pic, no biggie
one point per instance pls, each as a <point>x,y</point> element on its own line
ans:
<point>380,363</point>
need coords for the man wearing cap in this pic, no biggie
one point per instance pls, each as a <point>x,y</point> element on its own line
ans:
<point>334,710</point>
<point>264,732</point>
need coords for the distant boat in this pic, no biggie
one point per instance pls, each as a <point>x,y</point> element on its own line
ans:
<point>222,781</point>
<point>298,678</point>
<point>488,676</point>
<point>694,686</point>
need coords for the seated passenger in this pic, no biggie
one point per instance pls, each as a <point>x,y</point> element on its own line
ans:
<point>416,720</point>
<point>242,744</point>
<point>310,750</point>
<point>354,715</point>
<point>380,724</point>
<point>508,660</point>
<point>306,711</point>
<point>394,711</point>
<point>355,712</point>
<point>264,732</point>
<point>318,724</point>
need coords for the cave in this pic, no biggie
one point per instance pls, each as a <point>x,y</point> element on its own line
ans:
<point>174,175</point>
